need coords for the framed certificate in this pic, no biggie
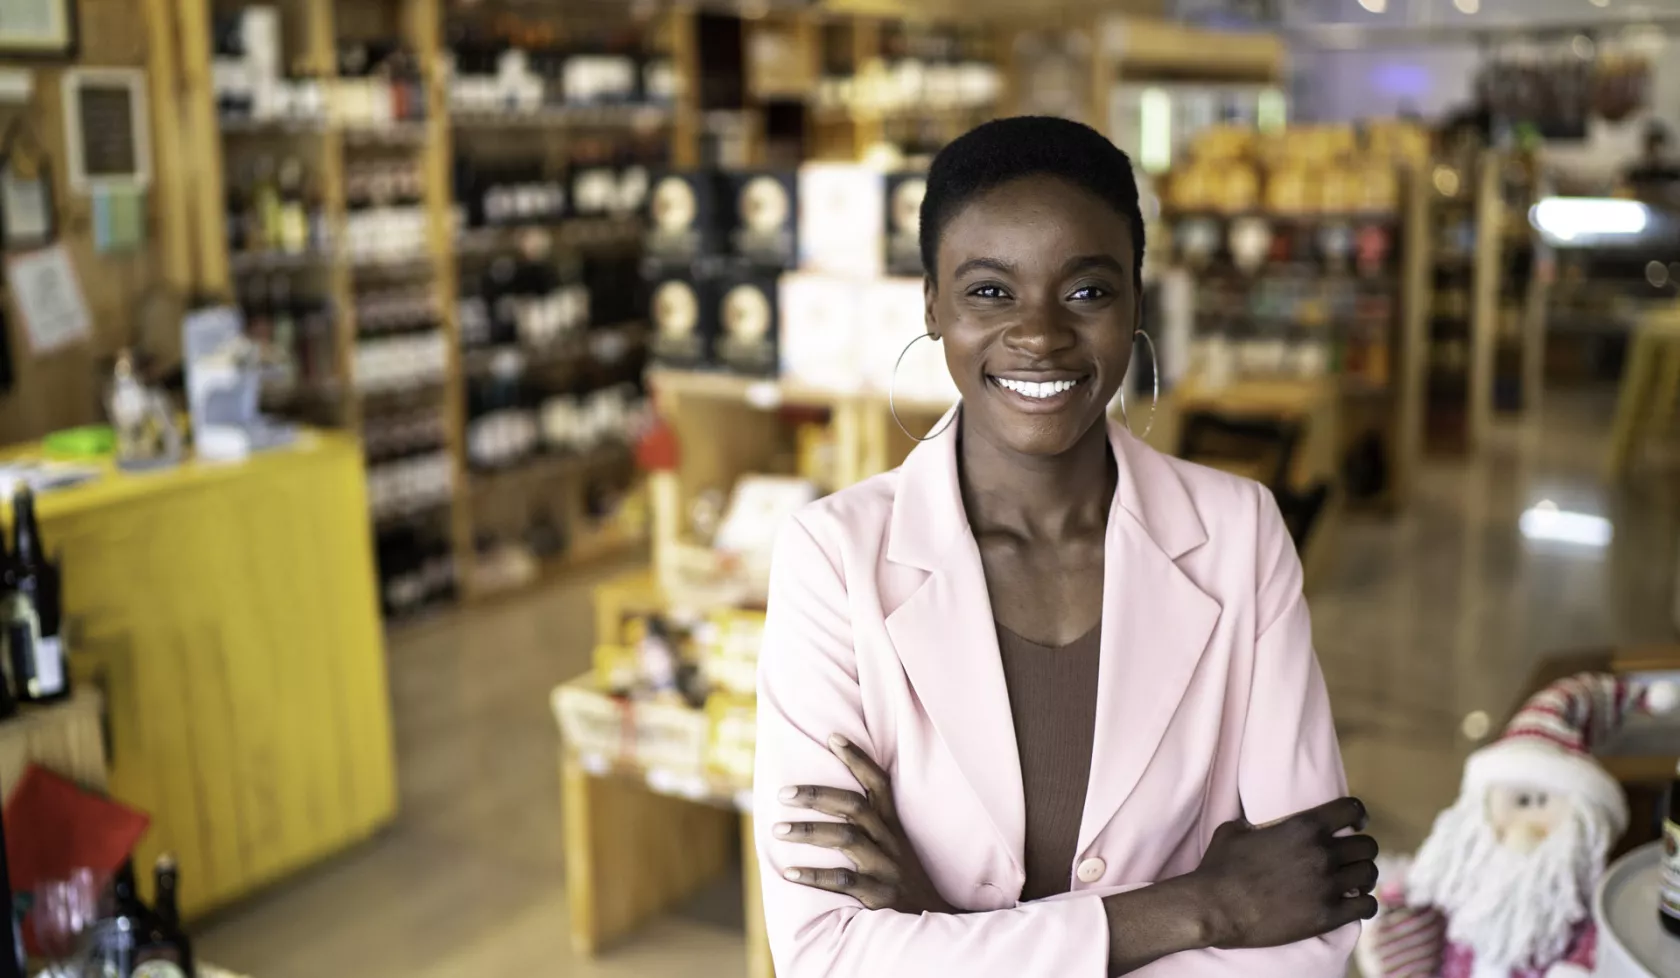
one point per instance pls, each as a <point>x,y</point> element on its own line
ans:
<point>38,29</point>
<point>106,128</point>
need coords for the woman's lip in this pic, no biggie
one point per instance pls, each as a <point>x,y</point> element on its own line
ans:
<point>1029,377</point>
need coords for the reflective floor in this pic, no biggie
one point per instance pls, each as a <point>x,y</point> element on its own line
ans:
<point>1420,620</point>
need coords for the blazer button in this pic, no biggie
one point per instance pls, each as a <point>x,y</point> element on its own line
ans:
<point>1091,870</point>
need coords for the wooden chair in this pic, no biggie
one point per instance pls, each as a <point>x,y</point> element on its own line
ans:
<point>1650,390</point>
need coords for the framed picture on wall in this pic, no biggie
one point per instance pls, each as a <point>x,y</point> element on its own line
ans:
<point>106,128</point>
<point>37,28</point>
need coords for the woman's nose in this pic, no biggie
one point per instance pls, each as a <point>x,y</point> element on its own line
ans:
<point>1039,331</point>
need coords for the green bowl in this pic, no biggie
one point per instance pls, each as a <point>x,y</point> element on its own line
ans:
<point>89,441</point>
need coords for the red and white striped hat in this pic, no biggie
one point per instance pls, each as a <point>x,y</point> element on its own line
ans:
<point>1549,743</point>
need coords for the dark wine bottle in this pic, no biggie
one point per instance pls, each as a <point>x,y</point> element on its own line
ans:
<point>137,941</point>
<point>170,943</point>
<point>33,621</point>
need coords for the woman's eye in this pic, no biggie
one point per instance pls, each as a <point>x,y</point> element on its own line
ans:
<point>1089,293</point>
<point>988,292</point>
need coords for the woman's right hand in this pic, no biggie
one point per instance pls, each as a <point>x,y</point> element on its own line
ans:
<point>1289,880</point>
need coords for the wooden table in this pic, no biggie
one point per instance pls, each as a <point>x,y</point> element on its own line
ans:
<point>226,613</point>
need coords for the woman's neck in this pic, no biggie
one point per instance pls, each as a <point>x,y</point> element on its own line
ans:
<point>1040,498</point>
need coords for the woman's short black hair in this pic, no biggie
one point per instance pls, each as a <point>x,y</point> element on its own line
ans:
<point>996,152</point>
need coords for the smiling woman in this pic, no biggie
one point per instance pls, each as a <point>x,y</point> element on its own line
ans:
<point>1044,701</point>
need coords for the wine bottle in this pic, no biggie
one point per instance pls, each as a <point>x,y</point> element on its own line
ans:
<point>169,943</point>
<point>1668,885</point>
<point>293,215</point>
<point>34,642</point>
<point>136,941</point>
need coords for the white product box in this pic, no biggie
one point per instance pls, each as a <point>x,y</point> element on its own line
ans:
<point>821,326</point>
<point>842,219</point>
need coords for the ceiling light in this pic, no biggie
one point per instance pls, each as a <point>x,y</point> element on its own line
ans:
<point>1544,521</point>
<point>1467,6</point>
<point>1563,220</point>
<point>1599,3</point>
<point>1374,6</point>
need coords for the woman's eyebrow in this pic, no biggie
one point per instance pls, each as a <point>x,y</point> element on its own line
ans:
<point>996,264</point>
<point>1090,262</point>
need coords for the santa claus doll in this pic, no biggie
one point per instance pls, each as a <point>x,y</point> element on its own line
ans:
<point>1502,887</point>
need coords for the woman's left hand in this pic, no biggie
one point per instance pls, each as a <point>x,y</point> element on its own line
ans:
<point>889,875</point>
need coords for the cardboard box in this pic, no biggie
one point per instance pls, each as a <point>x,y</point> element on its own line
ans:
<point>821,320</point>
<point>842,219</point>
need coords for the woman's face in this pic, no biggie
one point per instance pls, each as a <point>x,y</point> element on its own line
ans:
<point>1036,307</point>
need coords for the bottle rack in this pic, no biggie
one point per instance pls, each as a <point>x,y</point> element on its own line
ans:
<point>355,259</point>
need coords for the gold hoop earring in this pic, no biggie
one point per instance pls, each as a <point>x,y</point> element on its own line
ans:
<point>1155,376</point>
<point>892,381</point>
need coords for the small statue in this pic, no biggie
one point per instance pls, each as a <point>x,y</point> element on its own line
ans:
<point>1502,887</point>
<point>146,435</point>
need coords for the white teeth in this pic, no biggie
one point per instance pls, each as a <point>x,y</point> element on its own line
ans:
<point>1030,389</point>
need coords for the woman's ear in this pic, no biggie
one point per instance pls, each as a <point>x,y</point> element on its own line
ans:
<point>930,294</point>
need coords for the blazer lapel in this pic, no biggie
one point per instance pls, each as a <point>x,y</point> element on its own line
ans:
<point>1156,625</point>
<point>947,641</point>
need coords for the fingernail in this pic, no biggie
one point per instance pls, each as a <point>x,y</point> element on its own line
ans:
<point>838,742</point>
<point>788,794</point>
<point>783,829</point>
<point>792,874</point>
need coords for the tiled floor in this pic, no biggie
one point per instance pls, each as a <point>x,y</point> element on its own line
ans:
<point>1421,620</point>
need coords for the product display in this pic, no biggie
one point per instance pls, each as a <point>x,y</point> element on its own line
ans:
<point>765,218</point>
<point>1537,782</point>
<point>747,323</point>
<point>682,311</point>
<point>687,215</point>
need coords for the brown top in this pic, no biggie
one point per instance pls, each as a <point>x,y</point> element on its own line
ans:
<point>1053,698</point>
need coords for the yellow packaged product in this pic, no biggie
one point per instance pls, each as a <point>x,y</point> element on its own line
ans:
<point>727,646</point>
<point>734,735</point>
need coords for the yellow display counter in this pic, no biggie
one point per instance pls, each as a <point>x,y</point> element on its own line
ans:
<point>227,615</point>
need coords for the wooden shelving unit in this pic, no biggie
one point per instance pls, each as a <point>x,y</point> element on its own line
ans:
<point>313,31</point>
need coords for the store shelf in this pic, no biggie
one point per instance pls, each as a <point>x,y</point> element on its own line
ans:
<point>392,134</point>
<point>704,788</point>
<point>576,232</point>
<point>254,262</point>
<point>763,393</point>
<point>576,116</point>
<point>271,127</point>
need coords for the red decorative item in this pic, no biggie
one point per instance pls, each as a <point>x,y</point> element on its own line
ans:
<point>657,450</point>
<point>53,826</point>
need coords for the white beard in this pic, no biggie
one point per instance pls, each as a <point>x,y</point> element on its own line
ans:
<point>1513,910</point>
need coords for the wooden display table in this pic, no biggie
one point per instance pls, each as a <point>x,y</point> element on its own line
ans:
<point>65,738</point>
<point>227,615</point>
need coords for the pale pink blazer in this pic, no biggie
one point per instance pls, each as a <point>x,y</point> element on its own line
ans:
<point>1210,706</point>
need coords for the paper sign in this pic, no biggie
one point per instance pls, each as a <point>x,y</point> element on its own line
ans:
<point>49,298</point>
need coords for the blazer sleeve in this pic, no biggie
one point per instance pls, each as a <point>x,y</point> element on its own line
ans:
<point>808,690</point>
<point>1289,760</point>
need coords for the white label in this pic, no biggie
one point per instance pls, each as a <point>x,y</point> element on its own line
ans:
<point>159,969</point>
<point>1668,888</point>
<point>49,666</point>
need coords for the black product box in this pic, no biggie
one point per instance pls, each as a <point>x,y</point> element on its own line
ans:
<point>686,214</point>
<point>904,193</point>
<point>748,323</point>
<point>764,217</point>
<point>683,316</point>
